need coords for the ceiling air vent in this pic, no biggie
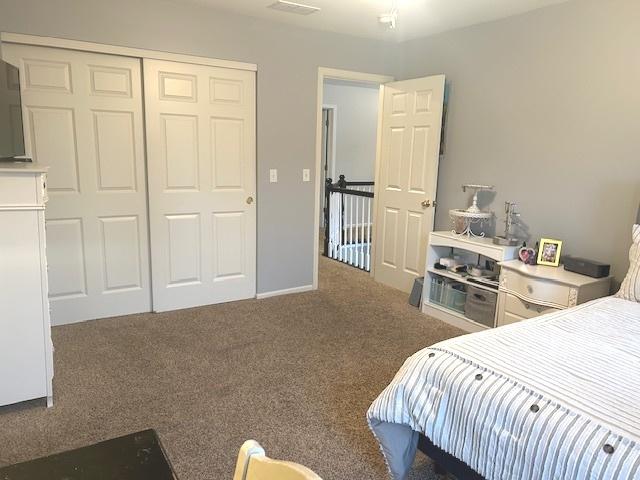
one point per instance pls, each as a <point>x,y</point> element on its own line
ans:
<point>291,7</point>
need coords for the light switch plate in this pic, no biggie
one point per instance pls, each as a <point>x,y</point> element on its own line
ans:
<point>306,175</point>
<point>273,175</point>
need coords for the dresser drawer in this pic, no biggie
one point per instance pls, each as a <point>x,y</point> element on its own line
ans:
<point>525,309</point>
<point>509,318</point>
<point>17,189</point>
<point>541,290</point>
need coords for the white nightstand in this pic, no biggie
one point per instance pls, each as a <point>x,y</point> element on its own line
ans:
<point>528,291</point>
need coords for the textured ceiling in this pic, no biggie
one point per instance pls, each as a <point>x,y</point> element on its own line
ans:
<point>416,18</point>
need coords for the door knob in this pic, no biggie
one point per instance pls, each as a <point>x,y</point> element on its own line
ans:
<point>249,200</point>
<point>426,203</point>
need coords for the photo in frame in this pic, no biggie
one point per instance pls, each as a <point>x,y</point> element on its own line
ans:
<point>549,252</point>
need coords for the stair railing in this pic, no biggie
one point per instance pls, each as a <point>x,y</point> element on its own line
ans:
<point>348,211</point>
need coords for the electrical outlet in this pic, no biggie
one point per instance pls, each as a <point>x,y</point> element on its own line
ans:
<point>306,175</point>
<point>273,175</point>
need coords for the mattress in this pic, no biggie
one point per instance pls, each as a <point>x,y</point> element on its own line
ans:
<point>556,397</point>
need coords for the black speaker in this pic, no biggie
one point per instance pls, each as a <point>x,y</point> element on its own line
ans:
<point>591,268</point>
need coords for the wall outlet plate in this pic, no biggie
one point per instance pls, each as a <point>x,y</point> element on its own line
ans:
<point>273,175</point>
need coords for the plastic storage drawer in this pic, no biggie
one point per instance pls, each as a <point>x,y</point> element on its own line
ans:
<point>481,306</point>
<point>437,291</point>
<point>448,293</point>
<point>455,296</point>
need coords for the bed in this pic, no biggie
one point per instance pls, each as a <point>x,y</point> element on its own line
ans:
<point>555,397</point>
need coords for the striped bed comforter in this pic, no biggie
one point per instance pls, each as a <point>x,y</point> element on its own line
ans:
<point>556,397</point>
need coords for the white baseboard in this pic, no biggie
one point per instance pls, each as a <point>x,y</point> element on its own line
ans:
<point>285,291</point>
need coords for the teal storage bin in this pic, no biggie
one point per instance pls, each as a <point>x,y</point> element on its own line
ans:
<point>436,292</point>
<point>455,296</point>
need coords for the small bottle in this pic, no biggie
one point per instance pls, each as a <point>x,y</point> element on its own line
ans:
<point>534,258</point>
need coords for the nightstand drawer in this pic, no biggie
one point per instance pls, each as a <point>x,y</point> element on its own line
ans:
<point>525,309</point>
<point>508,319</point>
<point>542,290</point>
<point>18,190</point>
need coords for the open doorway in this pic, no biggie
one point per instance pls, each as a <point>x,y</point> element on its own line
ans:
<point>348,123</point>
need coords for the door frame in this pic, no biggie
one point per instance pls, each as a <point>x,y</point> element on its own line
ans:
<point>332,111</point>
<point>41,41</point>
<point>325,73</point>
<point>331,154</point>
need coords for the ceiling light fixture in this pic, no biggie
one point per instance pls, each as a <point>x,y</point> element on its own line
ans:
<point>389,19</point>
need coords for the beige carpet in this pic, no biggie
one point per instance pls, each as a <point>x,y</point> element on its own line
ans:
<point>295,372</point>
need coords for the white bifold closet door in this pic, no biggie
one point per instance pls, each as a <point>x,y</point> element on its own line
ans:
<point>200,127</point>
<point>83,118</point>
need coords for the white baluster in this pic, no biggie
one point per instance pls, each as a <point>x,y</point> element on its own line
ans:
<point>369,235</point>
<point>331,225</point>
<point>355,245</point>
<point>336,225</point>
<point>349,236</point>
<point>360,233</point>
<point>364,200</point>
<point>339,224</point>
<point>331,242</point>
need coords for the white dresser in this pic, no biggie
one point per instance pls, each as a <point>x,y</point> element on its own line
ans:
<point>528,291</point>
<point>26,351</point>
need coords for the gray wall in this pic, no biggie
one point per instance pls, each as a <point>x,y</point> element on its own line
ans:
<point>287,61</point>
<point>546,106</point>
<point>356,129</point>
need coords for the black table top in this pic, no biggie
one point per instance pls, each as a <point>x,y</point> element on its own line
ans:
<point>138,456</point>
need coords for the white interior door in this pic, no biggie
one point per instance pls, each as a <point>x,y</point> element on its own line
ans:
<point>407,178</point>
<point>200,124</point>
<point>83,118</point>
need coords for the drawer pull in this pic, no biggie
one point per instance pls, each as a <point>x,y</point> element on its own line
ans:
<point>482,298</point>
<point>538,309</point>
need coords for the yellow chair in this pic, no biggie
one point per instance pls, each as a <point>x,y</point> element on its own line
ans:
<point>253,464</point>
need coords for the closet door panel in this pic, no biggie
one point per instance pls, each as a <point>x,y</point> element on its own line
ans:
<point>84,119</point>
<point>201,160</point>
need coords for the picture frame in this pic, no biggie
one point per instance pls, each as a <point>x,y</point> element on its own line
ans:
<point>549,252</point>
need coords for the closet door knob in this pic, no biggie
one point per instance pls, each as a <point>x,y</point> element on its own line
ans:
<point>249,200</point>
<point>426,203</point>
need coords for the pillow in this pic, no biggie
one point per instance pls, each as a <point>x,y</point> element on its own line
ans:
<point>630,289</point>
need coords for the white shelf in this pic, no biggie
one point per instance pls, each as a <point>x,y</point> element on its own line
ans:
<point>480,245</point>
<point>461,279</point>
<point>22,167</point>
<point>440,245</point>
